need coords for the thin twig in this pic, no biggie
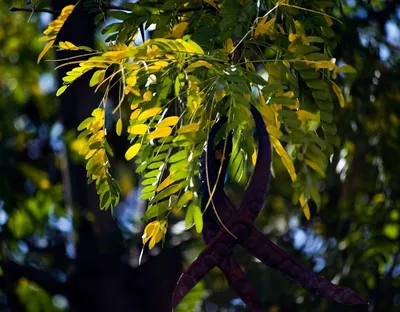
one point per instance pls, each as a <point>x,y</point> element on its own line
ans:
<point>105,6</point>
<point>33,10</point>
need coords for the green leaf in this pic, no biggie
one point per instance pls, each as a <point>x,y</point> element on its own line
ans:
<point>197,217</point>
<point>257,79</point>
<point>345,69</point>
<point>152,174</point>
<point>184,154</point>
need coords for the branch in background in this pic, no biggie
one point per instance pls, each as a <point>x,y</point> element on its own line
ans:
<point>45,280</point>
<point>33,10</point>
<point>104,6</point>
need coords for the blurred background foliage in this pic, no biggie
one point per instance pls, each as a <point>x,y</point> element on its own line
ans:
<point>62,255</point>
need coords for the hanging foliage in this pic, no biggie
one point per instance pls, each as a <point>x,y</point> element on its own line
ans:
<point>207,59</point>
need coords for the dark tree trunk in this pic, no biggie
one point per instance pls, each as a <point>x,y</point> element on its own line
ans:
<point>98,280</point>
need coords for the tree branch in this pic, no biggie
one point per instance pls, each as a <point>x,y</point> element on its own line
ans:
<point>105,6</point>
<point>33,10</point>
<point>43,279</point>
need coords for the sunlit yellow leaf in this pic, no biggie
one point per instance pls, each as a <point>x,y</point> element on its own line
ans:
<point>292,37</point>
<point>67,10</point>
<point>263,26</point>
<point>149,113</point>
<point>193,127</point>
<point>153,51</point>
<point>66,45</point>
<point>134,106</point>
<point>161,132</point>
<point>118,127</point>
<point>132,151</point>
<point>135,114</point>
<point>147,96</point>
<point>45,49</point>
<point>269,115</point>
<point>90,154</point>
<point>324,65</point>
<point>338,93</point>
<point>169,121</point>
<point>304,115</point>
<point>178,30</point>
<point>288,163</point>
<point>61,90</point>
<point>158,233</point>
<point>274,131</point>
<point>254,157</point>
<point>167,182</point>
<point>161,64</point>
<point>138,129</point>
<point>97,77</point>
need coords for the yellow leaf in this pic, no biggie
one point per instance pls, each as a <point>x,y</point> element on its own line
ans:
<point>135,114</point>
<point>45,49</point>
<point>274,131</point>
<point>263,26</point>
<point>269,115</point>
<point>153,51</point>
<point>292,37</point>
<point>228,46</point>
<point>149,231</point>
<point>138,129</point>
<point>149,113</point>
<point>259,28</point>
<point>304,115</point>
<point>161,63</point>
<point>132,151</point>
<point>304,206</point>
<point>178,30</point>
<point>61,90</point>
<point>254,157</point>
<point>169,121</point>
<point>288,163</point>
<point>212,2</point>
<point>97,77</point>
<point>194,65</point>
<point>147,96</point>
<point>262,99</point>
<point>161,132</point>
<point>324,64</point>
<point>219,95</point>
<point>118,127</point>
<point>193,127</point>
<point>315,166</point>
<point>338,93</point>
<point>90,154</point>
<point>131,80</point>
<point>66,45</point>
<point>134,106</point>
<point>67,10</point>
<point>167,182</point>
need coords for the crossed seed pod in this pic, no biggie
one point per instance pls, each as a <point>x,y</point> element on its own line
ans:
<point>218,251</point>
